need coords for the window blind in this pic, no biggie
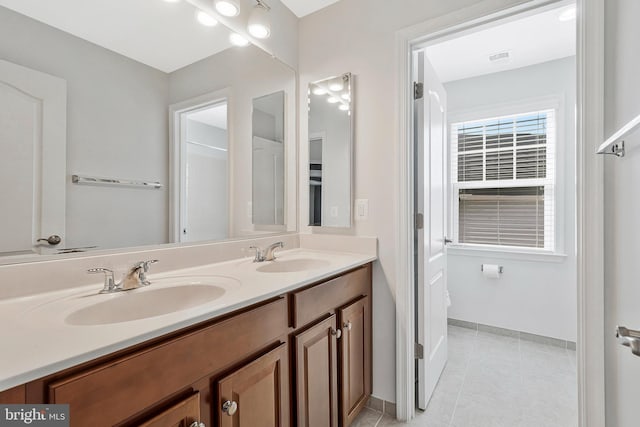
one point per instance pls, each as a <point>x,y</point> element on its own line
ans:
<point>503,180</point>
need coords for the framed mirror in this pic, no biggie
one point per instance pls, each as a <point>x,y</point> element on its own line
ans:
<point>145,140</point>
<point>330,119</point>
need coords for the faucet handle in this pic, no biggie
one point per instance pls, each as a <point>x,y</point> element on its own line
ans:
<point>143,268</point>
<point>109,280</point>
<point>258,254</point>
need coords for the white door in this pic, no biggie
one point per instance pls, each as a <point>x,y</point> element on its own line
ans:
<point>430,252</point>
<point>268,182</point>
<point>33,126</point>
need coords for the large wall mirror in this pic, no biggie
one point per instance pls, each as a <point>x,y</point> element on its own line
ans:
<point>330,151</point>
<point>116,133</point>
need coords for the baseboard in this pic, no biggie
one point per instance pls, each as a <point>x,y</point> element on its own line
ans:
<point>570,345</point>
<point>381,405</point>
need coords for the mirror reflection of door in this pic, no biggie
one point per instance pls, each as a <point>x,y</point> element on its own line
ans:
<point>204,175</point>
<point>315,179</point>
<point>268,160</point>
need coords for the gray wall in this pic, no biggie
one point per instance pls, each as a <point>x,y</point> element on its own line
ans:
<point>117,127</point>
<point>529,287</point>
<point>622,210</point>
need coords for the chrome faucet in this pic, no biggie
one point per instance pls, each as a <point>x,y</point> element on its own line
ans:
<point>268,254</point>
<point>135,278</point>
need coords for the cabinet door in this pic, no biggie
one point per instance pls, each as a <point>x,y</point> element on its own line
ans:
<point>317,375</point>
<point>355,358</point>
<point>184,414</point>
<point>257,394</point>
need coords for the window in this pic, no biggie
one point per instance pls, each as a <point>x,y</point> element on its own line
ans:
<point>503,181</point>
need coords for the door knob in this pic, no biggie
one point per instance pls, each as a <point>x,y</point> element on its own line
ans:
<point>197,424</point>
<point>53,240</point>
<point>336,332</point>
<point>230,407</point>
<point>348,326</point>
<point>629,338</point>
<point>447,241</point>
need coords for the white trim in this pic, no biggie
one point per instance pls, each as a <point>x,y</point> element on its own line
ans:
<point>590,70</point>
<point>176,155</point>
<point>502,252</point>
<point>590,214</point>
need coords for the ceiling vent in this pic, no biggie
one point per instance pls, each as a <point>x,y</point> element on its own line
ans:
<point>500,57</point>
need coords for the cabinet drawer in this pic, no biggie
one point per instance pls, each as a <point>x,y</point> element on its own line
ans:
<point>129,384</point>
<point>314,302</point>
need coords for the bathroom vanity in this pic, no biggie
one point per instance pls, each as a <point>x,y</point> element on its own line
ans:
<point>298,357</point>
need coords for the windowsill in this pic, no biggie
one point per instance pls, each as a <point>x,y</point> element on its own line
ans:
<point>521,254</point>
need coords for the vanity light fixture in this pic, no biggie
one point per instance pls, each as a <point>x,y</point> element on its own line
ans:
<point>227,7</point>
<point>259,25</point>
<point>205,19</point>
<point>344,107</point>
<point>336,85</point>
<point>346,97</point>
<point>237,40</point>
<point>332,100</point>
<point>317,90</point>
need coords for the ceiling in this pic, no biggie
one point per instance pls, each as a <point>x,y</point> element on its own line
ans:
<point>305,7</point>
<point>530,40</point>
<point>163,35</point>
<point>215,116</point>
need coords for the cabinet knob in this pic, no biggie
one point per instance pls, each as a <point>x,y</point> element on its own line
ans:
<point>348,326</point>
<point>197,424</point>
<point>336,332</point>
<point>229,407</point>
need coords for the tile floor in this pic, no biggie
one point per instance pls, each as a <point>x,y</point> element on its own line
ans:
<point>497,381</point>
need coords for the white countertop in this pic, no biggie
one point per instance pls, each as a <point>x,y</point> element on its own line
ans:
<point>37,341</point>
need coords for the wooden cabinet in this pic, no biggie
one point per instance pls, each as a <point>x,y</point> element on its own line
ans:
<point>355,358</point>
<point>317,375</point>
<point>299,360</point>
<point>333,355</point>
<point>256,395</point>
<point>186,413</point>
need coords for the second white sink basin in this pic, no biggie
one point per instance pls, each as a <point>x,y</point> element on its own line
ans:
<point>292,265</point>
<point>149,302</point>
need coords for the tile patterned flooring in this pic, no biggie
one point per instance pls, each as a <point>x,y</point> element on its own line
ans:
<point>497,381</point>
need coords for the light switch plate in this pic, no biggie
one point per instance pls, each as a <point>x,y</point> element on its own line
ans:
<point>362,209</point>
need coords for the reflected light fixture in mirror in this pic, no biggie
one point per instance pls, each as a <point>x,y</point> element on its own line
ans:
<point>238,40</point>
<point>259,25</point>
<point>227,7</point>
<point>206,19</point>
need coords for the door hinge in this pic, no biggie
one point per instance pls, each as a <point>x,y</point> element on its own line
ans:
<point>419,221</point>
<point>418,90</point>
<point>419,351</point>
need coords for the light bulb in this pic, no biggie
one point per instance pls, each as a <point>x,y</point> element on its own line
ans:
<point>346,97</point>
<point>237,40</point>
<point>227,7</point>
<point>172,1</point>
<point>344,107</point>
<point>259,25</point>
<point>336,85</point>
<point>206,19</point>
<point>332,100</point>
<point>319,90</point>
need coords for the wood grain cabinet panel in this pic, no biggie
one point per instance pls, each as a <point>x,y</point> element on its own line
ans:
<point>355,358</point>
<point>260,391</point>
<point>183,414</point>
<point>14,395</point>
<point>317,375</point>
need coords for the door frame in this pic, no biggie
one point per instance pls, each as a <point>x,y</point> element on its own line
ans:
<point>176,154</point>
<point>590,183</point>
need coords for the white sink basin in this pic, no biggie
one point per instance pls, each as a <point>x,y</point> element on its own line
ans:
<point>176,293</point>
<point>292,265</point>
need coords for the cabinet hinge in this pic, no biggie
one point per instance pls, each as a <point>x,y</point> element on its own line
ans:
<point>419,351</point>
<point>418,90</point>
<point>419,221</point>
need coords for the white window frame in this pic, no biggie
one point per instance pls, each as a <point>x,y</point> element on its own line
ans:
<point>553,184</point>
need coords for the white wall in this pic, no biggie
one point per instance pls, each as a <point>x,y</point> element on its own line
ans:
<point>117,127</point>
<point>248,73</point>
<point>622,210</point>
<point>359,36</point>
<point>538,297</point>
